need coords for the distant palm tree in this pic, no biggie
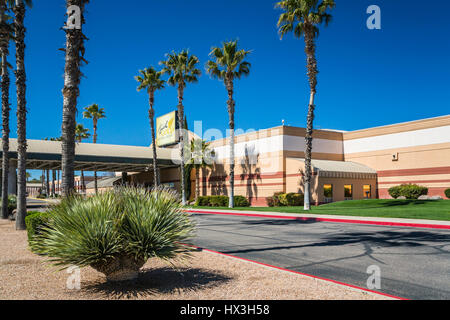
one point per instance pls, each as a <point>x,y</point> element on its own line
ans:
<point>182,69</point>
<point>95,113</point>
<point>5,37</point>
<point>201,157</point>
<point>56,173</point>
<point>150,79</point>
<point>72,75</point>
<point>28,176</point>
<point>303,17</point>
<point>19,9</point>
<point>227,65</point>
<point>46,174</point>
<point>82,133</point>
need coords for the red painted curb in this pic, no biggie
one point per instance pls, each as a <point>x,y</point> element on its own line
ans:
<point>380,223</point>
<point>300,273</point>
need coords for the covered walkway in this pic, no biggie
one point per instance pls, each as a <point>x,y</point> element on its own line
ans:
<point>46,155</point>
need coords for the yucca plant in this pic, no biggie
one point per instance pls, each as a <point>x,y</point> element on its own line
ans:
<point>116,232</point>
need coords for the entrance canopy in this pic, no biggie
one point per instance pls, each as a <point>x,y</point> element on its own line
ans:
<point>94,157</point>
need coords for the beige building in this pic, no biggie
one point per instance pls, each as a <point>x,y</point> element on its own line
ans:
<point>346,165</point>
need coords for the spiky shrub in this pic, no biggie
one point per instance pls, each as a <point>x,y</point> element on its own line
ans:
<point>116,232</point>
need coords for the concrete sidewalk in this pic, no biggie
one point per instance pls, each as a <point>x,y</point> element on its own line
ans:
<point>416,223</point>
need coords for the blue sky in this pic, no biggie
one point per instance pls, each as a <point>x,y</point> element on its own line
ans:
<point>367,77</point>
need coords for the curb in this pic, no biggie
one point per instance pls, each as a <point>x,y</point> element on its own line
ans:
<point>301,273</point>
<point>352,221</point>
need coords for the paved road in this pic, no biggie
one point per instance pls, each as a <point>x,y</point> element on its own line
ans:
<point>414,263</point>
<point>33,204</point>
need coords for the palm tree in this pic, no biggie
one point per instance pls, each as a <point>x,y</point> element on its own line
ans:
<point>201,157</point>
<point>227,65</point>
<point>95,113</point>
<point>72,75</point>
<point>82,133</point>
<point>19,31</point>
<point>151,80</point>
<point>303,17</point>
<point>5,37</point>
<point>182,69</point>
<point>28,176</point>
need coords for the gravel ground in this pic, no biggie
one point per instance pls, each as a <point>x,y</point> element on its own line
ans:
<point>207,276</point>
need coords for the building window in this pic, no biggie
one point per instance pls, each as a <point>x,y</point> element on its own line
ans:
<point>328,193</point>
<point>367,189</point>
<point>348,192</point>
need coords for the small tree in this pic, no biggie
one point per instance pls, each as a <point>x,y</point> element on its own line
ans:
<point>81,133</point>
<point>95,113</point>
<point>201,157</point>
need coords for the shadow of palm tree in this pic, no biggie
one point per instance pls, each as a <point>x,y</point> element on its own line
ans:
<point>158,281</point>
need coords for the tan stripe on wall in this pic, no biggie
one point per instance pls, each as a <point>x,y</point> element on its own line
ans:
<point>413,172</point>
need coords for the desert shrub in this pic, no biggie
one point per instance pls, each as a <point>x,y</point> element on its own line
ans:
<point>291,199</point>
<point>34,222</point>
<point>219,201</point>
<point>241,202</point>
<point>12,203</point>
<point>447,193</point>
<point>274,201</point>
<point>409,191</point>
<point>115,232</point>
<point>395,192</point>
<point>202,201</point>
<point>412,191</point>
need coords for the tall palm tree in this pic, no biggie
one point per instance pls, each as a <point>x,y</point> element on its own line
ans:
<point>82,133</point>
<point>72,75</point>
<point>19,8</point>
<point>303,18</point>
<point>95,113</point>
<point>201,157</point>
<point>182,69</point>
<point>228,64</point>
<point>150,79</point>
<point>5,37</point>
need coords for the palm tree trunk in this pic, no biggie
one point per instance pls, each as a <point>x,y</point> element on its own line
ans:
<point>197,183</point>
<point>47,185</point>
<point>4,44</point>
<point>95,172</point>
<point>310,50</point>
<point>83,183</point>
<point>72,75</point>
<point>19,13</point>
<point>151,115</point>
<point>180,124</point>
<point>53,183</point>
<point>231,106</point>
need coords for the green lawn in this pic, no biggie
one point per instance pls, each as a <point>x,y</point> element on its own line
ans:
<point>408,209</point>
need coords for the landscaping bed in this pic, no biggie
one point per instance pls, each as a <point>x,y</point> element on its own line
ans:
<point>24,275</point>
<point>405,209</point>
